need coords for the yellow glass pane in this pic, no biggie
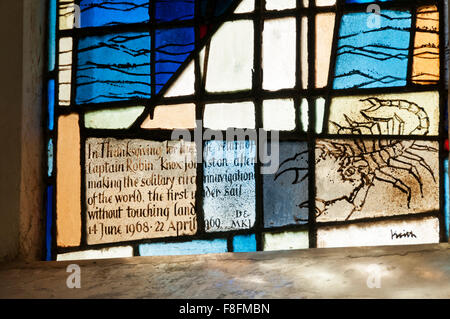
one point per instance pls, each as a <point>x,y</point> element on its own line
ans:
<point>65,70</point>
<point>386,114</point>
<point>66,14</point>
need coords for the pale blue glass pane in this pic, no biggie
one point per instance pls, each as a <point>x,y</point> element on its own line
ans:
<point>229,185</point>
<point>371,56</point>
<point>195,247</point>
<point>286,191</point>
<point>50,157</point>
<point>52,36</point>
<point>95,13</point>
<point>51,104</point>
<point>113,67</point>
<point>244,243</point>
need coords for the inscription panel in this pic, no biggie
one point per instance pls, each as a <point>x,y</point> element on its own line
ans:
<point>229,185</point>
<point>139,189</point>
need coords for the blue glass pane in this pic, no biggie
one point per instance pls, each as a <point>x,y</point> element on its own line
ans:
<point>48,224</point>
<point>113,67</point>
<point>51,104</point>
<point>173,46</point>
<point>96,13</point>
<point>371,56</point>
<point>52,36</point>
<point>244,243</point>
<point>171,10</point>
<point>447,200</point>
<point>50,157</point>
<point>286,191</point>
<point>229,185</point>
<point>194,247</point>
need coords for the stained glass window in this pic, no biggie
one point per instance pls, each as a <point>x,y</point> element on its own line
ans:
<point>211,126</point>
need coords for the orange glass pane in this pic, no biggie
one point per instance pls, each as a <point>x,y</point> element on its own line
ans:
<point>425,68</point>
<point>68,182</point>
<point>181,116</point>
<point>324,42</point>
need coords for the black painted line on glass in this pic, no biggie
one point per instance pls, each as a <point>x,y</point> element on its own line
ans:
<point>312,233</point>
<point>332,67</point>
<point>258,26</point>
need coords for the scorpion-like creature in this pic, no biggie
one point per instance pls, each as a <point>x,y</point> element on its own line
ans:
<point>350,167</point>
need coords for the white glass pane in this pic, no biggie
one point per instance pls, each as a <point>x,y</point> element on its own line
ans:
<point>226,115</point>
<point>320,110</point>
<point>304,52</point>
<point>304,115</point>
<point>106,253</point>
<point>286,240</point>
<point>325,3</point>
<point>415,232</point>
<point>184,85</point>
<point>279,54</point>
<point>279,115</point>
<point>245,6</point>
<point>120,118</point>
<point>280,4</point>
<point>230,60</point>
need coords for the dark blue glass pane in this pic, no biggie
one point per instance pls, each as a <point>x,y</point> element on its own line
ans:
<point>370,55</point>
<point>218,7</point>
<point>244,243</point>
<point>96,13</point>
<point>48,225</point>
<point>113,67</point>
<point>194,247</point>
<point>447,200</point>
<point>286,191</point>
<point>173,46</point>
<point>171,10</point>
<point>51,104</point>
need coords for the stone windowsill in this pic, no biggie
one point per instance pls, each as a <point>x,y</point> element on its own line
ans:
<point>406,272</point>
